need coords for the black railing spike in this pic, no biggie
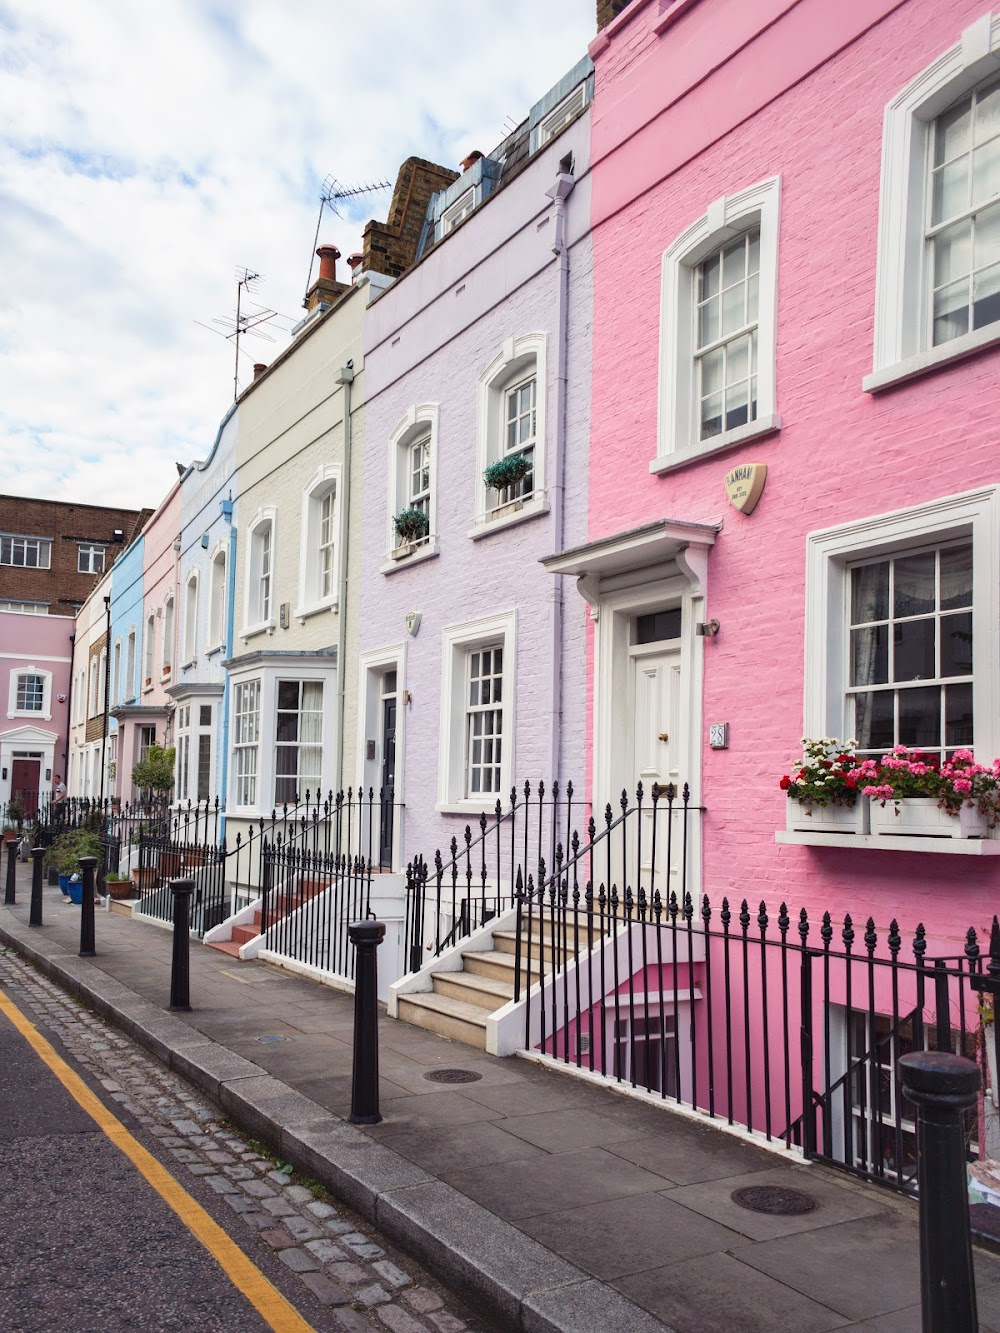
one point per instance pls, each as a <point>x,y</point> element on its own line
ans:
<point>847,934</point>
<point>971,944</point>
<point>725,916</point>
<point>686,793</point>
<point>519,883</point>
<point>672,906</point>
<point>893,939</point>
<point>591,828</point>
<point>541,792</point>
<point>527,792</point>
<point>920,941</point>
<point>569,791</point>
<point>483,821</point>
<point>762,917</point>
<point>706,910</point>
<point>744,916</point>
<point>994,964</point>
<point>623,801</point>
<point>468,836</point>
<point>541,872</point>
<point>688,907</point>
<point>628,902</point>
<point>575,844</point>
<point>497,810</point>
<point>654,794</point>
<point>826,930</point>
<point>657,906</point>
<point>609,814</point>
<point>871,939</point>
<point>555,793</point>
<point>638,793</point>
<point>783,920</point>
<point>671,793</point>
<point>803,926</point>
<point>576,897</point>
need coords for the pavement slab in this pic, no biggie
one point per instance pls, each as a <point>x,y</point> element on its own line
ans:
<point>546,1200</point>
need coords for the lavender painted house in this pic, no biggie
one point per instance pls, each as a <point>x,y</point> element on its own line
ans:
<point>471,668</point>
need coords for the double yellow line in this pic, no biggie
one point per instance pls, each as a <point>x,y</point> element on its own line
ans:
<point>245,1276</point>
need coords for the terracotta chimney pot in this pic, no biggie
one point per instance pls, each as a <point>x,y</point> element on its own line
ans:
<point>328,256</point>
<point>258,369</point>
<point>467,162</point>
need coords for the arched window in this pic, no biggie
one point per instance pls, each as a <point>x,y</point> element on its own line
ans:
<point>413,483</point>
<point>168,635</point>
<point>511,431</point>
<point>217,601</point>
<point>129,688</point>
<point>318,556</point>
<point>259,598</point>
<point>190,619</point>
<point>148,649</point>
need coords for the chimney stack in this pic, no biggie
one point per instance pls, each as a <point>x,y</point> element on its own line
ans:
<point>326,288</point>
<point>607,10</point>
<point>258,369</point>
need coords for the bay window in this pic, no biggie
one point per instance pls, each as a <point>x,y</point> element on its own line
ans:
<point>298,738</point>
<point>246,741</point>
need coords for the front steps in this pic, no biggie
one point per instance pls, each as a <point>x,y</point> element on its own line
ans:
<point>284,904</point>
<point>459,1003</point>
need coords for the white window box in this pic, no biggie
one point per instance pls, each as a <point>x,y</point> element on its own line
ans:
<point>837,819</point>
<point>415,554</point>
<point>922,817</point>
<point>509,516</point>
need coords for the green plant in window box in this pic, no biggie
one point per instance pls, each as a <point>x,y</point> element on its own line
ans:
<point>412,525</point>
<point>506,472</point>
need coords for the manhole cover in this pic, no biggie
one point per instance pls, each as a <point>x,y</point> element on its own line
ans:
<point>453,1076</point>
<point>774,1199</point>
<point>268,1039</point>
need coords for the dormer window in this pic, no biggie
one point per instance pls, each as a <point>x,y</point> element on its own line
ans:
<point>459,210</point>
<point>557,119</point>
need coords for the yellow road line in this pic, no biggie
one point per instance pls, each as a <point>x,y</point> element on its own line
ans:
<point>245,1276</point>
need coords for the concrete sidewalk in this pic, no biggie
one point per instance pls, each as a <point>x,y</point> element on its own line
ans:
<point>547,1202</point>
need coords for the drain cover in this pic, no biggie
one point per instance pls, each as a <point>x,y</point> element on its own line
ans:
<point>774,1199</point>
<point>452,1076</point>
<point>269,1039</point>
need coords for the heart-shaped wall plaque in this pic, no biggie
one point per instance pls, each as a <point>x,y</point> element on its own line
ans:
<point>744,485</point>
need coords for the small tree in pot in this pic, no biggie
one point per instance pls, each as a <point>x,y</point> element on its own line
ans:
<point>155,771</point>
<point>412,525</point>
<point>505,473</point>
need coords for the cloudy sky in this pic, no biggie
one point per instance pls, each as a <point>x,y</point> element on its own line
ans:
<point>148,152</point>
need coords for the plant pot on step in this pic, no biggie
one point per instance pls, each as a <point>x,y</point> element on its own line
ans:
<point>119,889</point>
<point>922,817</point>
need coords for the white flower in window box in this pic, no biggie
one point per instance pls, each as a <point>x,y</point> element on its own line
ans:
<point>823,789</point>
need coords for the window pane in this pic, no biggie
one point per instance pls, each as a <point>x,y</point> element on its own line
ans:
<point>951,312</point>
<point>986,297</point>
<point>873,720</point>
<point>734,263</point>
<point>920,717</point>
<point>738,362</point>
<point>956,577</point>
<point>713,365</point>
<point>950,190</point>
<point>914,656</point>
<point>987,111</point>
<point>711,416</point>
<point>708,323</point>
<point>733,309</point>
<point>914,584</point>
<point>951,134</point>
<point>870,593</point>
<point>656,626</point>
<point>956,645</point>
<point>958,715</point>
<point>986,172</point>
<point>708,278</point>
<point>870,655</point>
<point>953,253</point>
<point>737,397</point>
<point>287,727</point>
<point>987,237</point>
<point>288,694</point>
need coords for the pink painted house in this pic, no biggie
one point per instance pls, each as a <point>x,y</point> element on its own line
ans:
<point>36,654</point>
<point>796,248</point>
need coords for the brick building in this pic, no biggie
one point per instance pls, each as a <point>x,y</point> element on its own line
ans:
<point>51,550</point>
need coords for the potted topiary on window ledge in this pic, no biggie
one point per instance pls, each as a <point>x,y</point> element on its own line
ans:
<point>504,476</point>
<point>412,527</point>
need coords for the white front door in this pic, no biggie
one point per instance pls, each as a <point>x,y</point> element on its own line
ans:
<point>655,746</point>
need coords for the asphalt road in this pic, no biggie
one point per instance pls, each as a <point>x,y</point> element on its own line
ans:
<point>85,1242</point>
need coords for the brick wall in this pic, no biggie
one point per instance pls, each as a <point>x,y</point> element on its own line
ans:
<point>61,586</point>
<point>391,246</point>
<point>95,725</point>
<point>608,10</point>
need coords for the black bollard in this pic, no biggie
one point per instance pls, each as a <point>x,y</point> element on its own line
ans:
<point>88,864</point>
<point>366,936</point>
<point>8,897</point>
<point>35,912</point>
<point>180,966</point>
<point>942,1086</point>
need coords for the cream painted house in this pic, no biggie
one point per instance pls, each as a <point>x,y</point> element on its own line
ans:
<point>89,740</point>
<point>301,436</point>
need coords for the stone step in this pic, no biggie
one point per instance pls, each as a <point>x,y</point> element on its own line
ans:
<point>225,946</point>
<point>244,934</point>
<point>447,1017</point>
<point>505,941</point>
<point>484,992</point>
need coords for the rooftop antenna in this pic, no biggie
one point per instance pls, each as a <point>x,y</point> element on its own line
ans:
<point>247,319</point>
<point>333,193</point>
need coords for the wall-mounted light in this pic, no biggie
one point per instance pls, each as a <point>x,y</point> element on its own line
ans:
<point>707,629</point>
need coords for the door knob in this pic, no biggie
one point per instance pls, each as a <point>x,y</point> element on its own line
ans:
<point>663,736</point>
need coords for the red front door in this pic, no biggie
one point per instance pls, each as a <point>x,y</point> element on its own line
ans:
<point>24,778</point>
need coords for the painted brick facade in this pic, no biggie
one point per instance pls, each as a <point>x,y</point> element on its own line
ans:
<point>730,94</point>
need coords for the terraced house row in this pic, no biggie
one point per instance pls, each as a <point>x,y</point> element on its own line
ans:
<point>650,443</point>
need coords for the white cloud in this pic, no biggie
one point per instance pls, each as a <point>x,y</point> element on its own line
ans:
<point>146,152</point>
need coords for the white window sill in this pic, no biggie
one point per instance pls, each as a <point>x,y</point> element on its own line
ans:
<point>302,613</point>
<point>186,666</point>
<point>729,439</point>
<point>956,350</point>
<point>251,631</point>
<point>425,552</point>
<point>148,689</point>
<point>36,716</point>
<point>485,527</point>
<point>468,807</point>
<point>219,648</point>
<point>903,843</point>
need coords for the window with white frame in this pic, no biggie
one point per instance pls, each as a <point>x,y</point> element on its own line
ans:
<point>182,786</point>
<point>168,635</point>
<point>148,649</point>
<point>217,601</point>
<point>246,741</point>
<point>511,443</point>
<point>26,552</point>
<point>89,558</point>
<point>25,608</point>
<point>477,713</point>
<point>412,468</point>
<point>561,115</point>
<point>259,602</point>
<point>129,687</point>
<point>191,618</point>
<point>319,545</point>
<point>717,327</point>
<point>203,755</point>
<point>94,703</point>
<point>458,211</point>
<point>938,281</point>
<point>298,735</point>
<point>29,692</point>
<point>102,681</point>
<point>901,611</point>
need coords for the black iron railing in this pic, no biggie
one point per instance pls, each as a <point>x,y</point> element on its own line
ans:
<point>310,897</point>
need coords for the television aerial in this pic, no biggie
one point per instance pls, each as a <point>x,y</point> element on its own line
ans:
<point>331,194</point>
<point>248,321</point>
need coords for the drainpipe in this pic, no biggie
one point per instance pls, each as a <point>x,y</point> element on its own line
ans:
<point>107,677</point>
<point>559,193</point>
<point>69,710</point>
<point>345,379</point>
<point>227,513</point>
